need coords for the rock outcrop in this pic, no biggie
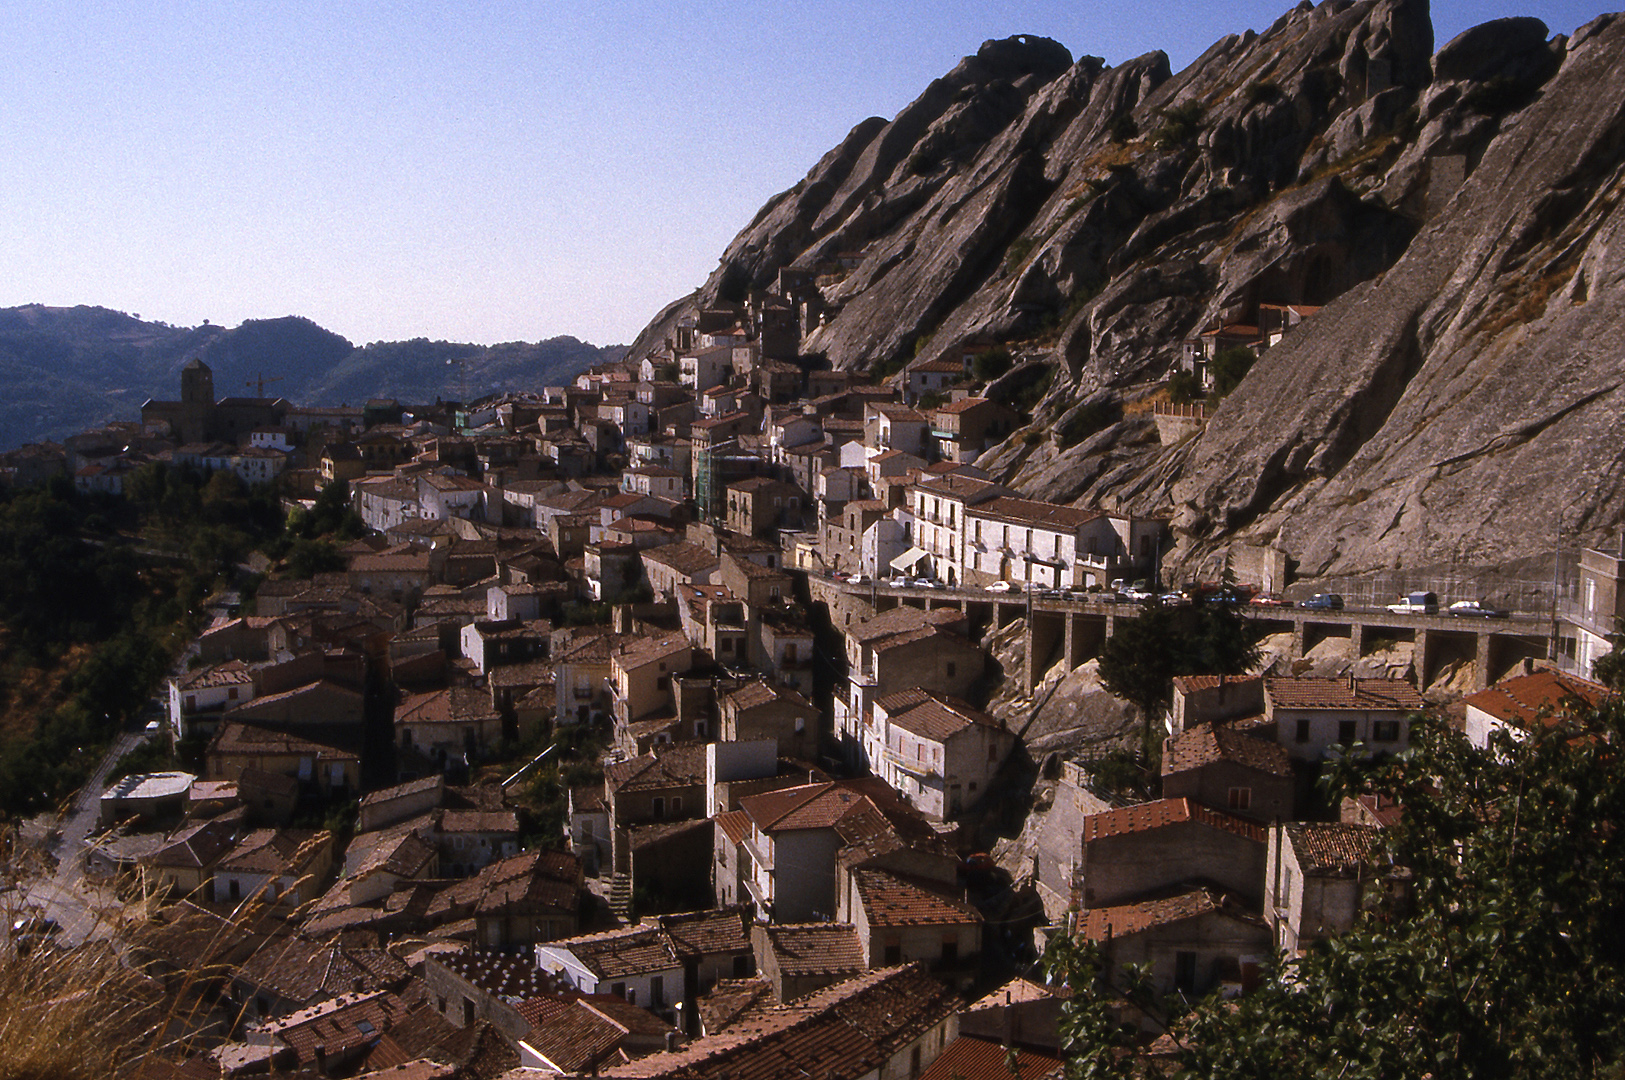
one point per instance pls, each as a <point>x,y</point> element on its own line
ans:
<point>1455,399</point>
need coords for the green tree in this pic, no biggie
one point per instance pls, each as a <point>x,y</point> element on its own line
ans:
<point>1230,367</point>
<point>1144,654</point>
<point>1495,945</point>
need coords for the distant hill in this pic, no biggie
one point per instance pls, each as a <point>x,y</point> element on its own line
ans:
<point>64,370</point>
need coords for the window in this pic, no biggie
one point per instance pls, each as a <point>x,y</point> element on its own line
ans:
<point>618,989</point>
<point>468,1011</point>
<point>657,992</point>
<point>1385,731</point>
<point>1346,732</point>
<point>1303,731</point>
<point>993,751</point>
<point>657,807</point>
<point>893,953</point>
<point>676,805</point>
<point>950,948</point>
<point>790,653</point>
<point>952,667</point>
<point>1241,798</point>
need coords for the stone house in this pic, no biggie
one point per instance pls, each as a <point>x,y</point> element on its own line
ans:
<point>1127,853</point>
<point>1311,716</point>
<point>800,958</point>
<point>1223,768</point>
<point>641,673</point>
<point>455,725</point>
<point>899,921</point>
<point>199,698</point>
<point>761,505</point>
<point>1519,704</point>
<point>331,769</point>
<point>1316,877</point>
<point>1193,943</point>
<point>1209,699</point>
<point>937,751</point>
<point>761,710</point>
<point>284,868</point>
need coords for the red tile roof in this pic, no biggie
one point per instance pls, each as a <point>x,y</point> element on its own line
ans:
<point>1365,695</point>
<point>1527,698</point>
<point>1102,924</point>
<point>1331,847</point>
<point>1144,817</point>
<point>968,1058</point>
<point>816,948</point>
<point>890,900</point>
<point>1206,744</point>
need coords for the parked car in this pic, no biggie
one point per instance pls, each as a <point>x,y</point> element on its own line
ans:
<point>1002,586</point>
<point>1324,601</point>
<point>1137,591</point>
<point>1174,599</point>
<point>926,583</point>
<point>1270,599</point>
<point>1416,603</point>
<point>1475,609</point>
<point>854,579</point>
<point>898,582</point>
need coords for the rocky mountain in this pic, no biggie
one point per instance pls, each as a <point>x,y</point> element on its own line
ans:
<point>64,370</point>
<point>1456,401</point>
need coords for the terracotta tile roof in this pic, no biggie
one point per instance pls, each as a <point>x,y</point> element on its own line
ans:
<point>339,1025</point>
<point>1206,744</point>
<point>239,738</point>
<point>535,882</point>
<point>760,692</point>
<point>816,948</point>
<point>735,825</point>
<point>677,766</point>
<point>644,836</point>
<point>618,954</point>
<point>399,851</point>
<point>1162,813</point>
<point>730,998</point>
<point>1527,698</point>
<point>400,791</point>
<point>572,1035</point>
<point>848,1029</point>
<point>1329,848</point>
<point>198,846</point>
<point>968,1058</point>
<point>230,673</point>
<point>1015,992</point>
<point>707,933</point>
<point>273,851</point>
<point>939,717</point>
<point>1037,514</point>
<point>456,705</point>
<point>301,970</point>
<point>810,806</point>
<point>1101,924</point>
<point>641,651</point>
<point>479,821</point>
<point>683,557</point>
<point>1362,694</point>
<point>1189,684</point>
<point>890,900</point>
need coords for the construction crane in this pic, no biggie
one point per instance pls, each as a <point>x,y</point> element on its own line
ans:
<point>259,383</point>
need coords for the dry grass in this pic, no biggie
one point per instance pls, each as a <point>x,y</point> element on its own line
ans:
<point>70,1014</point>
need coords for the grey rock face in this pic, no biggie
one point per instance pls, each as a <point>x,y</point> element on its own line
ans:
<point>1456,398</point>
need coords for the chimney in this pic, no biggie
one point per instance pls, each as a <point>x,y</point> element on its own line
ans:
<point>671,1041</point>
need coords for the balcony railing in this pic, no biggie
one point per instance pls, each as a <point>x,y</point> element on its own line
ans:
<point>911,766</point>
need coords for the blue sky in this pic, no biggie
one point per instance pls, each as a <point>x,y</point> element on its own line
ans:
<point>483,172</point>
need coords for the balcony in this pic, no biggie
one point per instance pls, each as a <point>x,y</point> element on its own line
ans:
<point>918,769</point>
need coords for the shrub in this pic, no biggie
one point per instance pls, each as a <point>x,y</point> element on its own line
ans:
<point>1088,420</point>
<point>1184,387</point>
<point>1230,367</point>
<point>990,365</point>
<point>1179,124</point>
<point>1017,252</point>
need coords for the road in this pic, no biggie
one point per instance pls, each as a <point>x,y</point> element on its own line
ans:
<point>82,908</point>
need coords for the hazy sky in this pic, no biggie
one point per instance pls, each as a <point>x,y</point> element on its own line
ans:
<point>483,171</point>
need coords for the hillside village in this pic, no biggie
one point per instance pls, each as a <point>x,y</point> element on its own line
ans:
<point>751,601</point>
